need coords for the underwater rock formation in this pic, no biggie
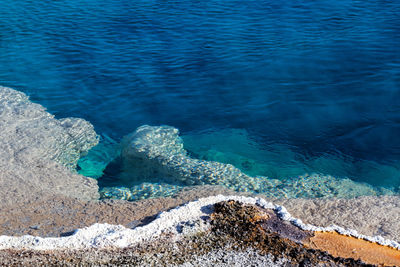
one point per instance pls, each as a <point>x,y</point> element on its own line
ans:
<point>157,153</point>
<point>39,152</point>
<point>141,191</point>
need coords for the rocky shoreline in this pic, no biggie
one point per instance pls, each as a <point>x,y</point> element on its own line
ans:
<point>258,234</point>
<point>41,195</point>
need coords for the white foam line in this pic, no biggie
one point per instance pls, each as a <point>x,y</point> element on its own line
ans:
<point>107,235</point>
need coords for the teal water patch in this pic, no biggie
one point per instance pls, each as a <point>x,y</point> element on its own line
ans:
<point>155,161</point>
<point>234,146</point>
<point>306,78</point>
<point>98,158</point>
<point>280,161</point>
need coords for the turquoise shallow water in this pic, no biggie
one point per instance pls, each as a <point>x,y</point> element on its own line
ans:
<point>276,89</point>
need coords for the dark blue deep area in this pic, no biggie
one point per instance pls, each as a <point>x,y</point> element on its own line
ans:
<point>319,76</point>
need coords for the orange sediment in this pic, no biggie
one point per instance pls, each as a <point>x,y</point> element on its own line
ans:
<point>350,247</point>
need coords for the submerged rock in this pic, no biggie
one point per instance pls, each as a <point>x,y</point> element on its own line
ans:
<point>141,191</point>
<point>157,151</point>
<point>155,154</point>
<point>38,152</point>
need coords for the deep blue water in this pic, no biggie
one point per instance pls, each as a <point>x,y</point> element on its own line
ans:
<point>319,77</point>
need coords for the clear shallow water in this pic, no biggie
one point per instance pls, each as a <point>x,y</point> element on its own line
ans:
<point>315,85</point>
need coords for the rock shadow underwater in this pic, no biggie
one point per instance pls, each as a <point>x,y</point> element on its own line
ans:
<point>154,161</point>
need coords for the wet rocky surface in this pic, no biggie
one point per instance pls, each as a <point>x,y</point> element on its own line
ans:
<point>40,196</point>
<point>59,215</point>
<point>38,152</point>
<point>249,234</point>
<point>252,226</point>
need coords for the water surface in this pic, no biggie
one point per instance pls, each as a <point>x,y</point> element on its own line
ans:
<point>316,83</point>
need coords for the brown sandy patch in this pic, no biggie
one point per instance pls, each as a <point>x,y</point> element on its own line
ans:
<point>250,225</point>
<point>343,246</point>
<point>369,215</point>
<point>39,196</point>
<point>235,227</point>
<point>52,216</point>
